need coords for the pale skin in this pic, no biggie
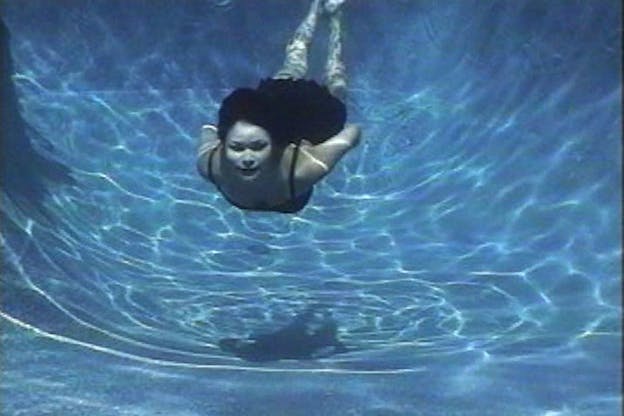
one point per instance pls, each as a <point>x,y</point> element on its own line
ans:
<point>247,167</point>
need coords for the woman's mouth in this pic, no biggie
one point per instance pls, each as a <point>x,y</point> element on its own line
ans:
<point>248,171</point>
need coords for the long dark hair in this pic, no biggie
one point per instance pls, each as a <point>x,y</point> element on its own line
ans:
<point>289,110</point>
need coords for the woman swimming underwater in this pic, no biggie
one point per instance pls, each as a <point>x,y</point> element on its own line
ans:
<point>273,143</point>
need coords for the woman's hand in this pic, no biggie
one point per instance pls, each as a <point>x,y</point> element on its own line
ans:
<point>352,133</point>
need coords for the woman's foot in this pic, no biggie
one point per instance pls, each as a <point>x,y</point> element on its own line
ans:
<point>331,6</point>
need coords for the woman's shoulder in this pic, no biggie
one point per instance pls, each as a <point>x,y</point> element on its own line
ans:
<point>298,165</point>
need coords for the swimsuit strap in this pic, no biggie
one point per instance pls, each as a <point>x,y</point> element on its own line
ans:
<point>291,178</point>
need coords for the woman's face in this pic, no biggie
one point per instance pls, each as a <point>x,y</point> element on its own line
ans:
<point>248,148</point>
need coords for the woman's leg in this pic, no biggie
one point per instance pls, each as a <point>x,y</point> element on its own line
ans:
<point>296,62</point>
<point>335,70</point>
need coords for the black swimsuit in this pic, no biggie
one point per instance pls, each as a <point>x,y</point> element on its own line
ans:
<point>294,204</point>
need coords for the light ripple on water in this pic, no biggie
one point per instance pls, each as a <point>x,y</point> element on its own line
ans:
<point>458,227</point>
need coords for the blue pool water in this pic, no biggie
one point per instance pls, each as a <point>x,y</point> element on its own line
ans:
<point>469,249</point>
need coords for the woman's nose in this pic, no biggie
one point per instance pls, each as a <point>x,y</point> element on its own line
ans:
<point>247,163</point>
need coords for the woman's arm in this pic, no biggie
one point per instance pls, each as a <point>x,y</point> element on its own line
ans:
<point>316,161</point>
<point>207,141</point>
